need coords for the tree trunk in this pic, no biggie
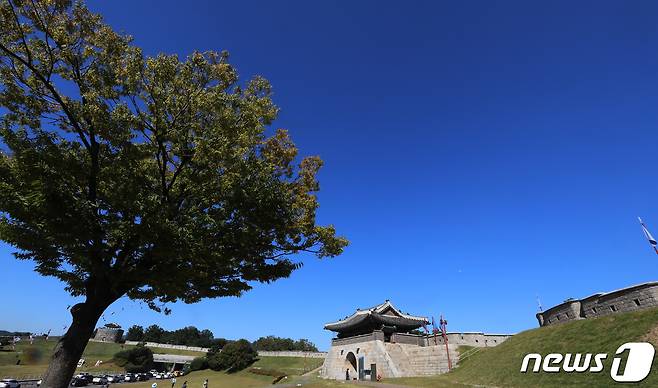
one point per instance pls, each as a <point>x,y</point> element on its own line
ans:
<point>70,347</point>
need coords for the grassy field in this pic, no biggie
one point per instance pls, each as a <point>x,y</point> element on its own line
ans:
<point>30,367</point>
<point>34,366</point>
<point>293,366</point>
<point>500,366</point>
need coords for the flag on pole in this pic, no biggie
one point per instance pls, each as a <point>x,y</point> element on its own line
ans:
<point>648,235</point>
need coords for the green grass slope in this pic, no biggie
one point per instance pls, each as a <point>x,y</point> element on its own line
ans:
<point>500,366</point>
<point>35,366</point>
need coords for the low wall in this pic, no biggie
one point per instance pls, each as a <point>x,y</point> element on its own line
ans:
<point>286,353</point>
<point>409,339</point>
<point>292,353</point>
<point>169,346</point>
<point>375,335</point>
<point>476,339</point>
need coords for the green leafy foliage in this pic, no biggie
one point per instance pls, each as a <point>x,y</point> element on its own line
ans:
<point>135,333</point>
<point>199,363</point>
<point>189,336</point>
<point>235,356</point>
<point>137,359</point>
<point>273,343</point>
<point>156,177</point>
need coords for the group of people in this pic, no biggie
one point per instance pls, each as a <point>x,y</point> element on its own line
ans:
<point>173,384</point>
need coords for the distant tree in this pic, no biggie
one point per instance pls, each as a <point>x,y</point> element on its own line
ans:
<point>304,345</point>
<point>235,356</point>
<point>156,178</point>
<point>154,333</point>
<point>273,343</point>
<point>135,333</point>
<point>216,345</point>
<point>137,359</point>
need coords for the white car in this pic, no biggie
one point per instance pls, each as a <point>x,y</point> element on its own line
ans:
<point>9,383</point>
<point>115,379</point>
<point>99,380</point>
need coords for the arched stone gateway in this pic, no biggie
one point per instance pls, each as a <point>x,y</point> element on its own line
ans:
<point>382,341</point>
<point>350,367</point>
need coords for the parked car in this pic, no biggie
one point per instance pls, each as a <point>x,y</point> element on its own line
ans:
<point>78,382</point>
<point>99,380</point>
<point>86,377</point>
<point>9,383</point>
<point>129,378</point>
<point>115,378</point>
<point>144,376</point>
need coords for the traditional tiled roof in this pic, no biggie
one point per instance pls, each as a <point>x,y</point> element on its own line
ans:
<point>378,314</point>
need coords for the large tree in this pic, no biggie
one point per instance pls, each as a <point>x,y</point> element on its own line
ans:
<point>158,178</point>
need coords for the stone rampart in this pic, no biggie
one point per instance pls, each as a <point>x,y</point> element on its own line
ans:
<point>392,359</point>
<point>108,334</point>
<point>627,299</point>
<point>169,346</point>
<point>291,353</point>
<point>284,353</point>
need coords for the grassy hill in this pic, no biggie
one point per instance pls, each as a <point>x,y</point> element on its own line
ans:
<point>500,366</point>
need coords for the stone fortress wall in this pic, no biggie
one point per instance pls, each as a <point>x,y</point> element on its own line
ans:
<point>264,353</point>
<point>108,334</point>
<point>627,299</point>
<point>404,355</point>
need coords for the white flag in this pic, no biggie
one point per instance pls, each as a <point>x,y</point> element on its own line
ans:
<point>648,235</point>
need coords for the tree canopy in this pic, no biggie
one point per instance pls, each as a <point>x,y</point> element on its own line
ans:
<point>273,343</point>
<point>153,176</point>
<point>160,178</point>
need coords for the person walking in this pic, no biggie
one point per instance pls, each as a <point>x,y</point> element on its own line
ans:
<point>173,382</point>
<point>205,384</point>
<point>184,384</point>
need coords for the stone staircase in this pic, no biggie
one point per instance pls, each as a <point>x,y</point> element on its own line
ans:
<point>401,359</point>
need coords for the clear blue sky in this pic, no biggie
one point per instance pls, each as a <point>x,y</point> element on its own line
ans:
<point>477,154</point>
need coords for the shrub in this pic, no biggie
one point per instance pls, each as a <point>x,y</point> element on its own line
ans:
<point>199,363</point>
<point>234,357</point>
<point>137,359</point>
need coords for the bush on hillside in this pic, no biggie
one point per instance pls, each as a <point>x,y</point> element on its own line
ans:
<point>234,357</point>
<point>137,359</point>
<point>199,363</point>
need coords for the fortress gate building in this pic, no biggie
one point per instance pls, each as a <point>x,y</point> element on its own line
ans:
<point>383,341</point>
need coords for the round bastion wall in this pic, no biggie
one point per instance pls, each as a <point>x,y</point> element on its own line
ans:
<point>628,299</point>
<point>108,334</point>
